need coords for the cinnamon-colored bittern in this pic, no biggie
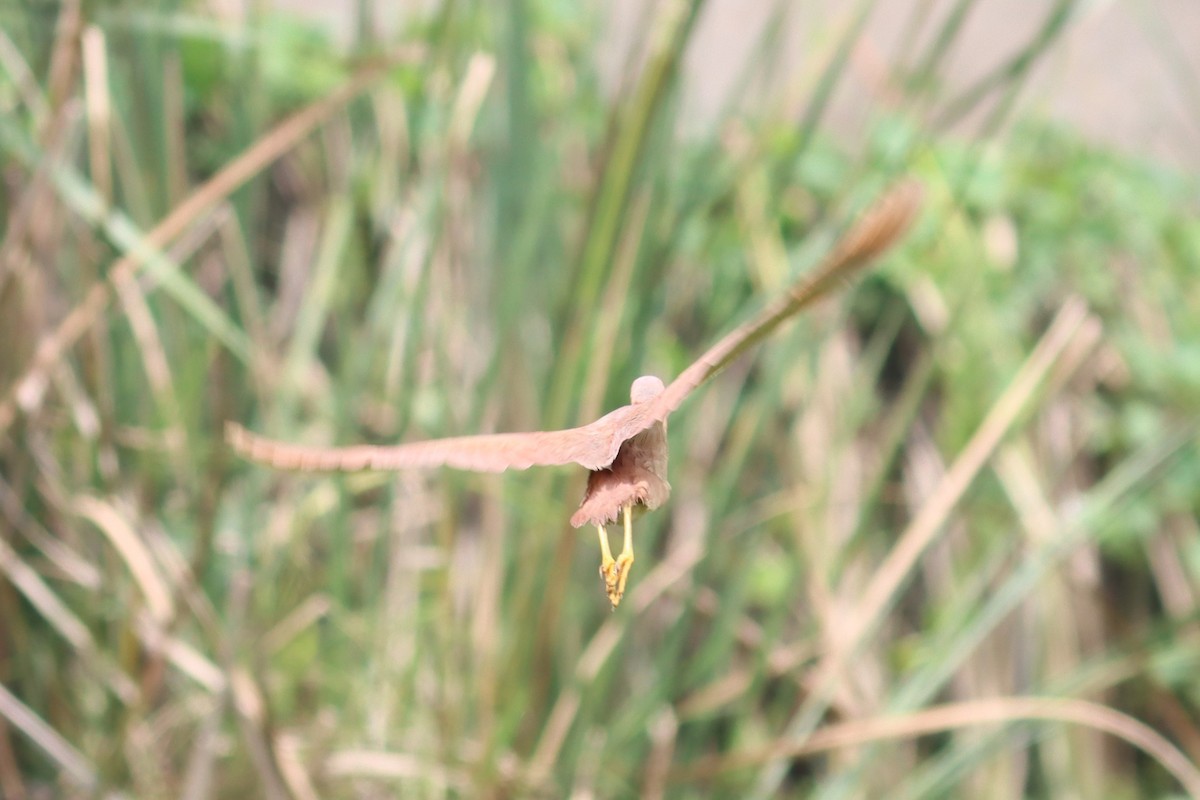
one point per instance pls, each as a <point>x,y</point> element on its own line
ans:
<point>626,449</point>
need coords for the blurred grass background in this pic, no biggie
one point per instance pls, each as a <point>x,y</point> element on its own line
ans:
<point>936,539</point>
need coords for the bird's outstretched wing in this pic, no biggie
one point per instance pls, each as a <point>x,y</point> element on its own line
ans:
<point>877,230</point>
<point>594,446</point>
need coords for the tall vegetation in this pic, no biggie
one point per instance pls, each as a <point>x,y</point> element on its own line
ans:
<point>936,539</point>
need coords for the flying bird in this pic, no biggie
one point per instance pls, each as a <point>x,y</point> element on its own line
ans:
<point>625,451</point>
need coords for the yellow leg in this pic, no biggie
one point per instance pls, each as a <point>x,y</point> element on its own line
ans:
<point>610,571</point>
<point>606,559</point>
<point>615,572</point>
<point>625,559</point>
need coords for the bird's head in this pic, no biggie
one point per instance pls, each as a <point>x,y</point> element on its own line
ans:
<point>645,388</point>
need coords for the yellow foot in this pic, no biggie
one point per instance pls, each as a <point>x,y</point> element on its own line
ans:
<point>616,589</point>
<point>613,580</point>
<point>615,572</point>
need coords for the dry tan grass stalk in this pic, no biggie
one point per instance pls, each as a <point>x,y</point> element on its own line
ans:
<point>663,730</point>
<point>25,392</point>
<point>237,262</point>
<point>135,554</point>
<point>289,755</point>
<point>678,565</point>
<point>43,598</point>
<point>183,656</point>
<point>251,708</point>
<point>991,432</point>
<point>157,367</point>
<point>1060,619</point>
<point>481,69</point>
<point>200,775</point>
<point>486,602</point>
<point>12,785</point>
<point>783,661</point>
<point>98,105</point>
<point>22,77</point>
<point>1168,557</point>
<point>959,716</point>
<point>72,763</point>
<point>1015,470</point>
<point>306,614</point>
<point>71,565</point>
<point>64,61</point>
<point>174,128</point>
<point>930,519</point>
<point>394,766</point>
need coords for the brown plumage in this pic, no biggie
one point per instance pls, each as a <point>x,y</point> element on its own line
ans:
<point>637,476</point>
<point>626,449</point>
